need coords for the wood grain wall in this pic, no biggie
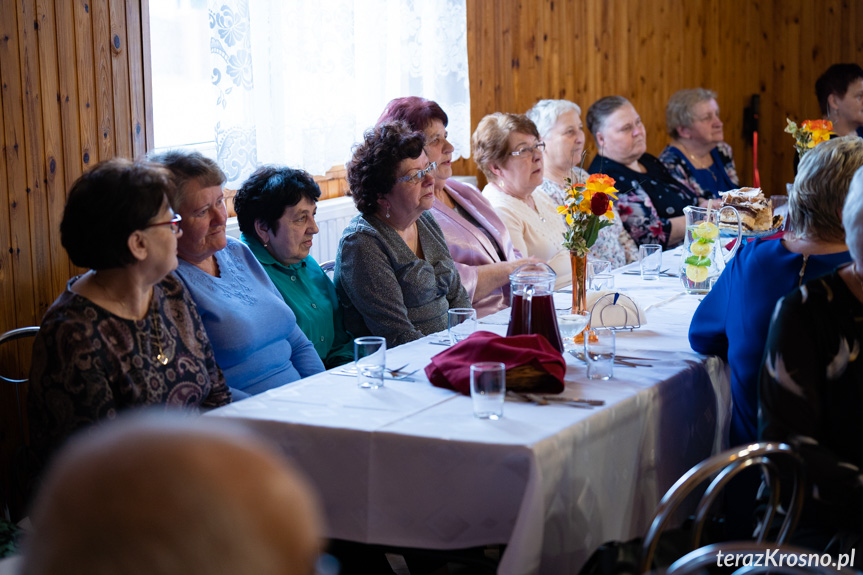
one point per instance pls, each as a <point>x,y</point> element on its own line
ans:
<point>520,52</point>
<point>72,78</point>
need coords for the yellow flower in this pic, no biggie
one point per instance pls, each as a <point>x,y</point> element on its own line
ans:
<point>819,130</point>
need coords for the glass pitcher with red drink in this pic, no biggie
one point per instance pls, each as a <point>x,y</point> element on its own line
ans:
<point>532,287</point>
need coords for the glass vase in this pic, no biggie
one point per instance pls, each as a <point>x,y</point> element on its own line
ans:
<point>579,277</point>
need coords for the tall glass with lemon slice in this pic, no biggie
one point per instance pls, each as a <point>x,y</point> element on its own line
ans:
<point>705,254</point>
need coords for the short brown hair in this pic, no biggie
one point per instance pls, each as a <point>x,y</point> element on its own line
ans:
<point>189,167</point>
<point>490,140</point>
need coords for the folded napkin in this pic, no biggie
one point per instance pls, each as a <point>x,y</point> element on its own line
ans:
<point>532,364</point>
<point>611,308</point>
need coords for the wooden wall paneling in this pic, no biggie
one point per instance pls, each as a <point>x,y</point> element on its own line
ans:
<point>55,182</point>
<point>16,170</point>
<point>119,47</point>
<point>108,144</point>
<point>138,118</point>
<point>86,87</point>
<point>8,320</point>
<point>148,74</point>
<point>69,116</point>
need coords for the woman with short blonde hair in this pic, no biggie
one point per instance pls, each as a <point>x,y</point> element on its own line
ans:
<point>697,156</point>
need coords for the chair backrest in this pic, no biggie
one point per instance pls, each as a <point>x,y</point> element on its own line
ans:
<point>755,557</point>
<point>329,267</point>
<point>722,468</point>
<point>12,335</point>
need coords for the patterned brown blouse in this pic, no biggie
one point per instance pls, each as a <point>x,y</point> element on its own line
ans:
<point>89,364</point>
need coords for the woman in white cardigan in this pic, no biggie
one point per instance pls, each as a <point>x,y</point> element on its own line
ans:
<point>508,150</point>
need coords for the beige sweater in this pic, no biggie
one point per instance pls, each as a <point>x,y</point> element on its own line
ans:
<point>537,233</point>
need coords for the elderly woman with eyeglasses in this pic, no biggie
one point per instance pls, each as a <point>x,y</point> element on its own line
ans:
<point>394,273</point>
<point>508,150</point>
<point>559,125</point>
<point>125,334</point>
<point>255,335</point>
<point>698,156</point>
<point>477,238</point>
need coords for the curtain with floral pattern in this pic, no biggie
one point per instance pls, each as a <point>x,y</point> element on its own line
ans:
<point>298,82</point>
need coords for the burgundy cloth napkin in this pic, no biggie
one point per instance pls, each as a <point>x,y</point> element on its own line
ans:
<point>532,363</point>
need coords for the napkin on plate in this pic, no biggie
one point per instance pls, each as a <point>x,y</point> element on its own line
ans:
<point>609,308</point>
<point>532,363</point>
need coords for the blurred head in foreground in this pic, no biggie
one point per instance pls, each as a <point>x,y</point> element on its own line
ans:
<point>163,496</point>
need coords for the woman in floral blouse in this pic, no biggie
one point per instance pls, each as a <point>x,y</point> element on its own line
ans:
<point>126,334</point>
<point>698,157</point>
<point>560,127</point>
<point>650,201</point>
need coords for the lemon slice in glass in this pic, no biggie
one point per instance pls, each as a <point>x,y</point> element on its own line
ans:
<point>700,249</point>
<point>707,230</point>
<point>696,274</point>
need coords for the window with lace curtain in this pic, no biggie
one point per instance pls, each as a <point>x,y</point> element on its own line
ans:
<point>294,82</point>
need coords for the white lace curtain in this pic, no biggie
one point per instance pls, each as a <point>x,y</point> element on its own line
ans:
<point>299,81</point>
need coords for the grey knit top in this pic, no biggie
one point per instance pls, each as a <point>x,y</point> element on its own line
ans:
<point>386,290</point>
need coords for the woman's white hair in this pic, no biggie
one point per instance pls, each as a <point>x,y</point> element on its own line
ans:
<point>546,112</point>
<point>852,217</point>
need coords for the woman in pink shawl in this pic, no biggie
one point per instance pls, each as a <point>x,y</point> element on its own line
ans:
<point>477,238</point>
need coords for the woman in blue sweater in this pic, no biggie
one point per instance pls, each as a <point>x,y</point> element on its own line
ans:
<point>733,319</point>
<point>254,333</point>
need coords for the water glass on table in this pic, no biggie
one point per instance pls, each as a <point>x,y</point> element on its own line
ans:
<point>599,351</point>
<point>461,322</point>
<point>570,326</point>
<point>370,357</point>
<point>650,258</point>
<point>488,389</point>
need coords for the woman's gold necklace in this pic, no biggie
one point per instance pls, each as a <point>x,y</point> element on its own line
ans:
<point>698,165</point>
<point>154,318</point>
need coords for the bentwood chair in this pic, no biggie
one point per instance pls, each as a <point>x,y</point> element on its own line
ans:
<point>15,483</point>
<point>329,267</point>
<point>722,468</point>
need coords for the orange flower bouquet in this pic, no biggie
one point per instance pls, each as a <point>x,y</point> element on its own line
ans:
<point>809,134</point>
<point>588,209</point>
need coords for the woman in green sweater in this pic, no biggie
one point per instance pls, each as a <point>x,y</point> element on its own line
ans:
<point>276,211</point>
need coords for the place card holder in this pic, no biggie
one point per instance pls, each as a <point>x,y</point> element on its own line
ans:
<point>616,311</point>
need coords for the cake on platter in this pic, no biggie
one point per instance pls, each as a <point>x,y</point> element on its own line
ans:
<point>756,211</point>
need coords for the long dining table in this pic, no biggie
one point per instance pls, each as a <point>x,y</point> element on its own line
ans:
<point>409,465</point>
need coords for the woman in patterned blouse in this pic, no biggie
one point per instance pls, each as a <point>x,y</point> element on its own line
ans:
<point>698,157</point>
<point>560,127</point>
<point>125,334</point>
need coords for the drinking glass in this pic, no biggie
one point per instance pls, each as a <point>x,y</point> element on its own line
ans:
<point>570,325</point>
<point>650,256</point>
<point>600,282</point>
<point>461,322</point>
<point>370,357</point>
<point>488,389</point>
<point>596,267</point>
<point>599,353</point>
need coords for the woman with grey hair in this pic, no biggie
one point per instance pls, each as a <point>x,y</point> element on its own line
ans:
<point>559,125</point>
<point>812,384</point>
<point>650,201</point>
<point>733,319</point>
<point>697,156</point>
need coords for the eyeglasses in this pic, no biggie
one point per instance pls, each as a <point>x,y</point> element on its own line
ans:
<point>419,174</point>
<point>173,222</point>
<point>523,152</point>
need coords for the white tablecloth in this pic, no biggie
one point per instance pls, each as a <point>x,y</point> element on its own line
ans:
<point>409,465</point>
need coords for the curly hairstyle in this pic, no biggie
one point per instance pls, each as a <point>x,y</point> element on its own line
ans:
<point>268,192</point>
<point>106,205</point>
<point>372,169</point>
<point>417,112</point>
<point>546,112</point>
